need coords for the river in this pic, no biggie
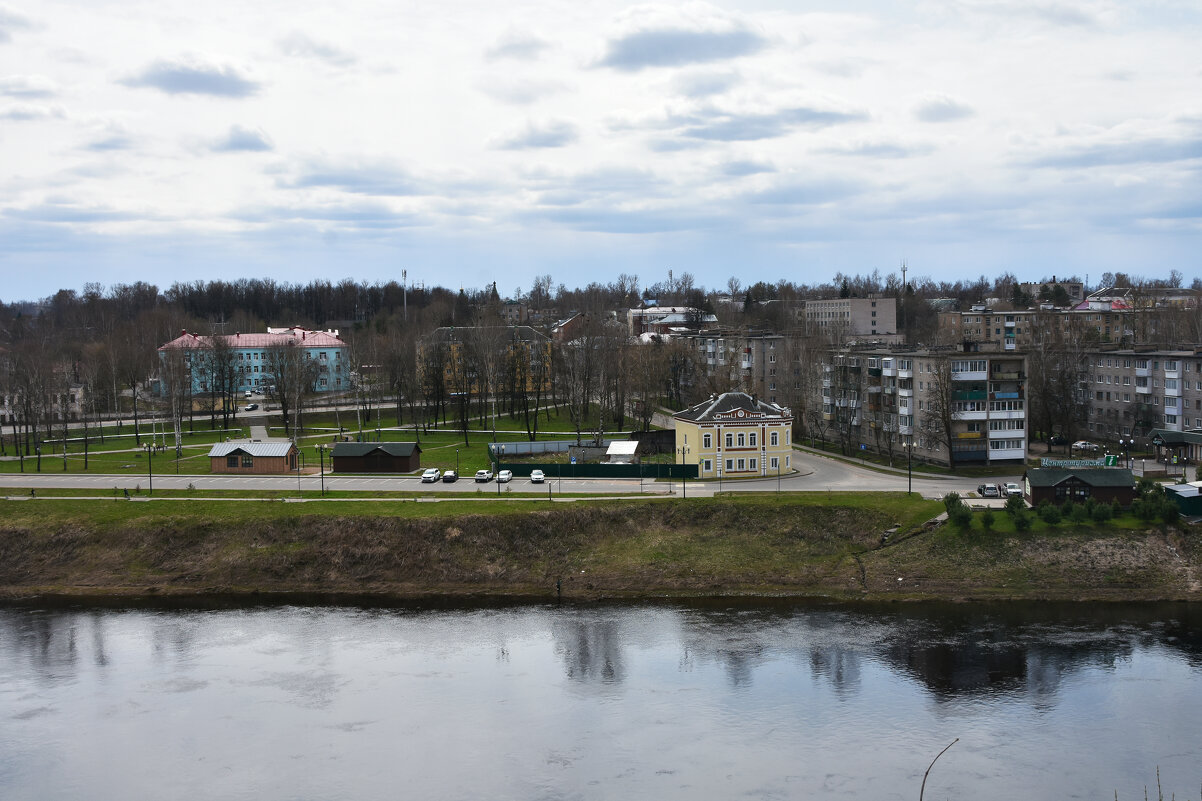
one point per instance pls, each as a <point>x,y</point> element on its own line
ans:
<point>621,701</point>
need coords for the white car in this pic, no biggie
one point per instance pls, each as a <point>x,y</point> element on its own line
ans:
<point>537,477</point>
<point>1013,490</point>
<point>1082,445</point>
<point>483,476</point>
<point>431,475</point>
<point>504,476</point>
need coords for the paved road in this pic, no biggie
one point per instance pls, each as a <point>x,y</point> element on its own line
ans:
<point>813,473</point>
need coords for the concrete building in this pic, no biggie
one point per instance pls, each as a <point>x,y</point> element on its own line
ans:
<point>455,350</point>
<point>840,319</point>
<point>1134,392</point>
<point>252,354</point>
<point>1044,291</point>
<point>937,404</point>
<point>734,435</point>
<point>668,320</point>
<point>753,361</point>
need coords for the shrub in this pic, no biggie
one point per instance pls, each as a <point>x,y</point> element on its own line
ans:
<point>1015,505</point>
<point>1167,511</point>
<point>1079,515</point>
<point>1144,508</point>
<point>1101,513</point>
<point>960,516</point>
<point>1066,511</point>
<point>1049,514</point>
<point>952,501</point>
<point>1022,520</point>
<point>987,518</point>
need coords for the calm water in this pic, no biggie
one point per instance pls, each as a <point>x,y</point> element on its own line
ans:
<point>600,702</point>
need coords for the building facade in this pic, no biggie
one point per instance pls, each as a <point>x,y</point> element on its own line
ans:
<point>734,435</point>
<point>251,358</point>
<point>942,406</point>
<point>1133,392</point>
<point>839,319</point>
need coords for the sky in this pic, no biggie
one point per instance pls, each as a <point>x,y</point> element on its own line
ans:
<point>469,142</point>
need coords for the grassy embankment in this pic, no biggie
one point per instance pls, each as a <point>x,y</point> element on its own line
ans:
<point>808,545</point>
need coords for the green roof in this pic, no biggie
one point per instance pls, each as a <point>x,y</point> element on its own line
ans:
<point>368,448</point>
<point>1093,476</point>
<point>1177,437</point>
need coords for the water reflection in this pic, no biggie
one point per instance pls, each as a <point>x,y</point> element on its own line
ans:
<point>663,701</point>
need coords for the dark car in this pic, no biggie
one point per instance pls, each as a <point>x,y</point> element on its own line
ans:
<point>1056,439</point>
<point>450,476</point>
<point>250,407</point>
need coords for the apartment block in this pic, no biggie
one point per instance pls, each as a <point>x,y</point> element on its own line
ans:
<point>751,360</point>
<point>1133,392</point>
<point>893,401</point>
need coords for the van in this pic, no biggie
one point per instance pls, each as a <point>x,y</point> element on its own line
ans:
<point>248,395</point>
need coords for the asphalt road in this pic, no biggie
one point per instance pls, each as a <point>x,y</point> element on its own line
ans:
<point>812,473</point>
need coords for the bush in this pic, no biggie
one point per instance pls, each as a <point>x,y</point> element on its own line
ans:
<point>1066,511</point>
<point>960,516</point>
<point>1167,511</point>
<point>987,518</point>
<point>1101,513</point>
<point>1145,509</point>
<point>1079,515</point>
<point>952,501</point>
<point>1015,506</point>
<point>1022,520</point>
<point>1049,514</point>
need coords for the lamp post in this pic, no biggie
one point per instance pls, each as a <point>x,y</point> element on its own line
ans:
<point>456,463</point>
<point>321,455</point>
<point>684,477</point>
<point>150,467</point>
<point>909,444</point>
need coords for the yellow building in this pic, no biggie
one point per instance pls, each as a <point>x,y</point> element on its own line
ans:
<point>733,435</point>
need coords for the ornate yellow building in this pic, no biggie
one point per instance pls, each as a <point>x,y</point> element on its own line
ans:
<point>733,435</point>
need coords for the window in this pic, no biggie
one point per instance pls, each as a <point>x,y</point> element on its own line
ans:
<point>248,460</point>
<point>751,465</point>
<point>751,437</point>
<point>706,441</point>
<point>742,464</point>
<point>774,463</point>
<point>742,439</point>
<point>709,466</point>
<point>775,438</point>
<point>231,461</point>
<point>730,465</point>
<point>730,441</point>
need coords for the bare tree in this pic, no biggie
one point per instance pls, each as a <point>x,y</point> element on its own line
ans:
<point>294,374</point>
<point>937,425</point>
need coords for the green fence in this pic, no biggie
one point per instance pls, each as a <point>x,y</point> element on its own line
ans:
<point>558,470</point>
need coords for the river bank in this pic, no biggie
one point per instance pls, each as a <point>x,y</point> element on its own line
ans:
<point>802,545</point>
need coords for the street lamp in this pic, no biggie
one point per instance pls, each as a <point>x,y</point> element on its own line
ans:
<point>909,446</point>
<point>684,477</point>
<point>150,467</point>
<point>321,455</point>
<point>456,463</point>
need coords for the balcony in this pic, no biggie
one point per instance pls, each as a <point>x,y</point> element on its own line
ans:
<point>876,389</point>
<point>1143,390</point>
<point>974,375</point>
<point>1142,372</point>
<point>978,415</point>
<point>1007,454</point>
<point>1007,395</point>
<point>968,435</point>
<point>906,431</point>
<point>1014,415</point>
<point>1010,345</point>
<point>973,394</point>
<point>1172,393</point>
<point>905,393</point>
<point>905,373</point>
<point>874,372</point>
<point>1006,434</point>
<point>999,375</point>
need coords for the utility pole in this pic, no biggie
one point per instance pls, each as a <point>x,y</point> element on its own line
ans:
<point>405,293</point>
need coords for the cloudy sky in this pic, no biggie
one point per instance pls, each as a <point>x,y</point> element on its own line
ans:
<point>474,141</point>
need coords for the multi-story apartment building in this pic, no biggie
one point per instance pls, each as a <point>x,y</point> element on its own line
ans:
<point>840,319</point>
<point>734,435</point>
<point>1133,392</point>
<point>753,361</point>
<point>1044,291</point>
<point>944,405</point>
<point>252,354</point>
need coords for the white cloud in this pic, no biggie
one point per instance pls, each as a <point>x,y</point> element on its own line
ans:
<point>30,86</point>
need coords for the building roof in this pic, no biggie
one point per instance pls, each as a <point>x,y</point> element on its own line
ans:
<point>1168,437</point>
<point>733,406</point>
<point>277,337</point>
<point>502,333</point>
<point>274,448</point>
<point>623,447</point>
<point>370,448</point>
<point>1093,476</point>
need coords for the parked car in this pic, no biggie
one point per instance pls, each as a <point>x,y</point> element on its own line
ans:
<point>1083,445</point>
<point>483,476</point>
<point>504,476</point>
<point>1056,439</point>
<point>988,491</point>
<point>1014,490</point>
<point>250,407</point>
<point>431,475</point>
<point>537,477</point>
<point>450,476</point>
